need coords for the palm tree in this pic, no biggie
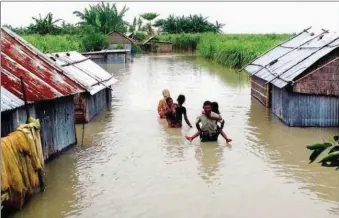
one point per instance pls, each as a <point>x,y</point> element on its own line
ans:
<point>139,24</point>
<point>45,25</point>
<point>149,17</point>
<point>105,17</point>
<point>133,27</point>
<point>218,27</point>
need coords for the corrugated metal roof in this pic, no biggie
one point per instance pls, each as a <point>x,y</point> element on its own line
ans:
<point>288,60</point>
<point>84,71</point>
<point>112,51</point>
<point>43,80</point>
<point>9,101</point>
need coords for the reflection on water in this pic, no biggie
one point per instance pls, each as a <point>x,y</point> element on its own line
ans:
<point>131,165</point>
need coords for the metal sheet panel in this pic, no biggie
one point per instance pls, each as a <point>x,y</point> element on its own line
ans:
<point>84,71</point>
<point>293,62</point>
<point>43,80</point>
<point>57,120</point>
<point>96,103</point>
<point>303,110</point>
<point>9,101</point>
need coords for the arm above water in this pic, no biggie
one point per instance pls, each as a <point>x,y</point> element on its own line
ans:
<point>197,124</point>
<point>186,118</point>
<point>214,116</point>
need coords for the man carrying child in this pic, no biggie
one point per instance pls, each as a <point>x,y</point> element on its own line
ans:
<point>209,119</point>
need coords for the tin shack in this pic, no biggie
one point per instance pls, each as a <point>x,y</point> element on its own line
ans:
<point>299,79</point>
<point>117,56</point>
<point>119,40</point>
<point>155,45</point>
<point>97,82</point>
<point>48,91</point>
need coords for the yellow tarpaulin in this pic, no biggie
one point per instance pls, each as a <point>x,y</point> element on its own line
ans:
<point>21,163</point>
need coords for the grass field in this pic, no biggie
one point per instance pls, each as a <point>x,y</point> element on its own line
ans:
<point>231,50</point>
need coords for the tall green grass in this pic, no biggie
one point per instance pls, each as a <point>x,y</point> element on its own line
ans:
<point>56,43</point>
<point>230,50</point>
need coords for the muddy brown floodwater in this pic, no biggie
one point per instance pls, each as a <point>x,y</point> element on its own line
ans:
<point>132,165</point>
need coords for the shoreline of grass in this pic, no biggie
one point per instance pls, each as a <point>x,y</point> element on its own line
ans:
<point>229,50</point>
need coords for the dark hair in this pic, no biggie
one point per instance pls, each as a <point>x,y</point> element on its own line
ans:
<point>207,103</point>
<point>215,107</point>
<point>168,99</point>
<point>181,99</point>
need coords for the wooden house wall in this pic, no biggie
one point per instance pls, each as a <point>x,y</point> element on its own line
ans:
<point>116,38</point>
<point>321,81</point>
<point>261,91</point>
<point>164,47</point>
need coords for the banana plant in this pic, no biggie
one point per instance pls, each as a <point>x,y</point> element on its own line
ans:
<point>332,158</point>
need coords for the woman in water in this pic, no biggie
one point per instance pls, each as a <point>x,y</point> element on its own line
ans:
<point>162,104</point>
<point>170,114</point>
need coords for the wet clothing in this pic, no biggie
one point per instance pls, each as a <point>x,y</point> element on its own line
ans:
<point>162,104</point>
<point>179,112</point>
<point>171,116</point>
<point>206,137</point>
<point>162,108</point>
<point>209,127</point>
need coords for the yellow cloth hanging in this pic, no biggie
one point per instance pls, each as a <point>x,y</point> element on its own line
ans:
<point>21,162</point>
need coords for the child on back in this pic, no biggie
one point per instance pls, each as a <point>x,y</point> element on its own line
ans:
<point>214,116</point>
<point>215,109</point>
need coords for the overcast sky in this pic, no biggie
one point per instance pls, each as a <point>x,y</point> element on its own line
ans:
<point>239,17</point>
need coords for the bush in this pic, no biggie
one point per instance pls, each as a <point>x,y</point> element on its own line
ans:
<point>93,40</point>
<point>230,50</point>
<point>53,43</point>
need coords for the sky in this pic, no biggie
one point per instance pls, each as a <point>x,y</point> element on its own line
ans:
<point>238,17</point>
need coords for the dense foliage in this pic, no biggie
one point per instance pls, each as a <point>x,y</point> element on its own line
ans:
<point>105,17</point>
<point>189,24</point>
<point>231,50</point>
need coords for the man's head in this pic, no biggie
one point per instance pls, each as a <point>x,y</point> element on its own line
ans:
<point>207,107</point>
<point>181,99</point>
<point>169,101</point>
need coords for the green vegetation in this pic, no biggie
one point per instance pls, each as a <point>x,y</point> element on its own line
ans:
<point>88,39</point>
<point>104,17</point>
<point>52,43</point>
<point>188,33</point>
<point>149,17</point>
<point>189,24</point>
<point>331,151</point>
<point>230,50</point>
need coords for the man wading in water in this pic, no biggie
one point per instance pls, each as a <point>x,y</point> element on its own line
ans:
<point>209,128</point>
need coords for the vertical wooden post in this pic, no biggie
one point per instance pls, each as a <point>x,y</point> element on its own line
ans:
<point>25,97</point>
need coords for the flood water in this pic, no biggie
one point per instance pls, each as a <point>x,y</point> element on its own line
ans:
<point>132,165</point>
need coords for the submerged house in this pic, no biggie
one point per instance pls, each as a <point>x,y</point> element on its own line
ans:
<point>118,40</point>
<point>48,91</point>
<point>299,79</point>
<point>116,56</point>
<point>154,45</point>
<point>134,37</point>
<point>92,77</point>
